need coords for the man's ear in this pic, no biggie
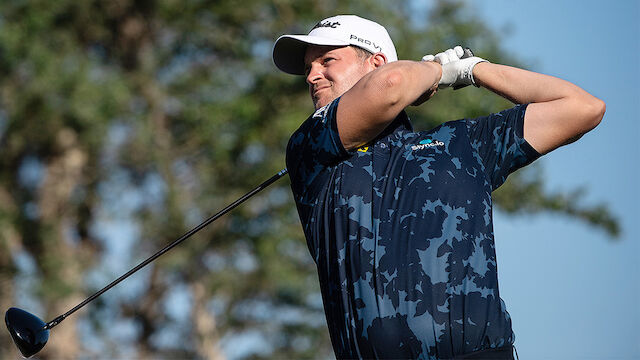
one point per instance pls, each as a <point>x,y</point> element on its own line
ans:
<point>378,59</point>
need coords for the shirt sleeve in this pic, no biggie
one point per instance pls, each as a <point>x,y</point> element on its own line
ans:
<point>498,140</point>
<point>315,146</point>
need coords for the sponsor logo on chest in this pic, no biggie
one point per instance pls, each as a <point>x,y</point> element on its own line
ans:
<point>427,143</point>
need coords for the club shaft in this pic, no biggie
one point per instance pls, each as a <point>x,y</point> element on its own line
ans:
<point>151,258</point>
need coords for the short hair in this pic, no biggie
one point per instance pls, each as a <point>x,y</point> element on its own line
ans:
<point>362,53</point>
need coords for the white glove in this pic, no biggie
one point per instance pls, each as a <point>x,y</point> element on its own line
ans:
<point>457,67</point>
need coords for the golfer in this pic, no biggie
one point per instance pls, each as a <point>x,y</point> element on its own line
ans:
<point>399,222</point>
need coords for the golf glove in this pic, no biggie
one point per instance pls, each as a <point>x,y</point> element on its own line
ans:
<point>457,67</point>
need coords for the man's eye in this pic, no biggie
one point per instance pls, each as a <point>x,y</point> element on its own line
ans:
<point>326,60</point>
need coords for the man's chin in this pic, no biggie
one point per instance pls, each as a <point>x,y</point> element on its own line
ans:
<point>318,103</point>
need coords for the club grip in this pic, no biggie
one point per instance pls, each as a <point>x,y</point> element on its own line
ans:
<point>467,54</point>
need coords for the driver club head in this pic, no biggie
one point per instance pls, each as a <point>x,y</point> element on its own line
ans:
<point>27,331</point>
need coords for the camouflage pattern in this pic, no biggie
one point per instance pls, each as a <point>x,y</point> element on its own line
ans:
<point>401,232</point>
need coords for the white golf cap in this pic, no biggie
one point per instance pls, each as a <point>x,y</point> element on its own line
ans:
<point>341,30</point>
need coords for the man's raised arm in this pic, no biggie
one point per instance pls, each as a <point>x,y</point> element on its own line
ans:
<point>374,101</point>
<point>560,112</point>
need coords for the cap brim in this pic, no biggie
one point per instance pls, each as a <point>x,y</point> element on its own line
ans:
<point>289,51</point>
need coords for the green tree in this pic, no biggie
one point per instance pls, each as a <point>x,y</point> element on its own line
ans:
<point>138,119</point>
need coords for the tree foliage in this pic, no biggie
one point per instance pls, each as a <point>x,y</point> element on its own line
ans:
<point>123,123</point>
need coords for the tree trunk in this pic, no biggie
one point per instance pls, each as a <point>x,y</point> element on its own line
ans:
<point>207,338</point>
<point>61,256</point>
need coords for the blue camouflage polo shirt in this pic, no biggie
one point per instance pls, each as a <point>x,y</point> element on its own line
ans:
<point>401,232</point>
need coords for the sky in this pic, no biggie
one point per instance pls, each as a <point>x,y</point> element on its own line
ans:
<point>572,292</point>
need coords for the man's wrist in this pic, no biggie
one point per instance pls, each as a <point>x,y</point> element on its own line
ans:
<point>434,67</point>
<point>477,73</point>
<point>439,76</point>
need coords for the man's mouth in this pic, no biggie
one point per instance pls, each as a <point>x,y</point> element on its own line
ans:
<point>317,90</point>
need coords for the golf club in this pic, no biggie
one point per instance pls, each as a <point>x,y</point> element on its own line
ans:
<point>30,333</point>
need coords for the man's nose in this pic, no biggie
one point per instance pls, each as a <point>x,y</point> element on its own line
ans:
<point>314,75</point>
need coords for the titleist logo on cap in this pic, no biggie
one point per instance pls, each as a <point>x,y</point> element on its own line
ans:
<point>329,24</point>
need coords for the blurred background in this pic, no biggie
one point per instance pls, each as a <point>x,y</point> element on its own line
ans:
<point>124,123</point>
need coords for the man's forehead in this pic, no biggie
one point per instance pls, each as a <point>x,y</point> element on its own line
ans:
<point>315,51</point>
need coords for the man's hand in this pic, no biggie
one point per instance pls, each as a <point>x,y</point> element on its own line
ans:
<point>457,67</point>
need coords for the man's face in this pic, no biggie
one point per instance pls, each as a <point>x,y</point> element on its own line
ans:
<point>331,71</point>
